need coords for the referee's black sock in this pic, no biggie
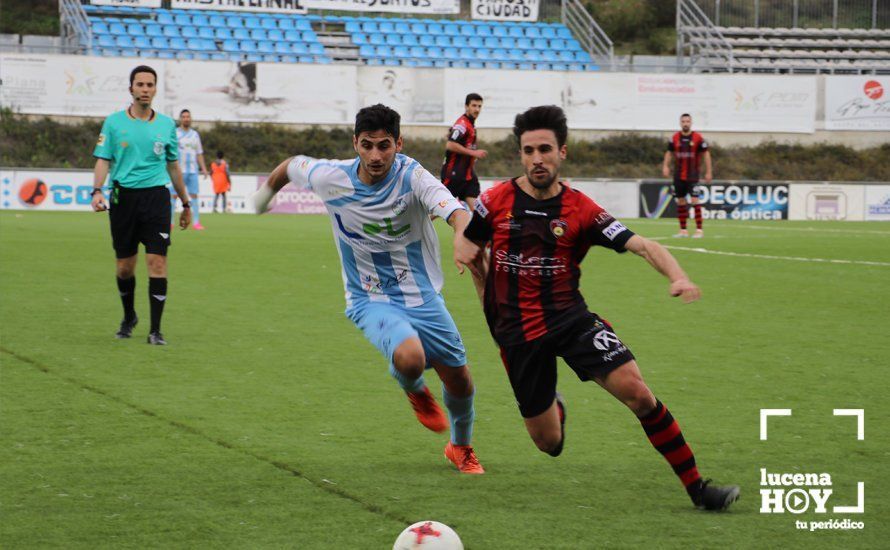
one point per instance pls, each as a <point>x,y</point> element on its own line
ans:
<point>157,295</point>
<point>127,290</point>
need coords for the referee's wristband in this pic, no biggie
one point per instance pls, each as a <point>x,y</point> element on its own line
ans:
<point>186,205</point>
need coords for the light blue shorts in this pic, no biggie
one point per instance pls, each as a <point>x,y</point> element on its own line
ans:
<point>191,183</point>
<point>387,326</point>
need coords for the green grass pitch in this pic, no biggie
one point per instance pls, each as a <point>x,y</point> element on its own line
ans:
<point>269,422</point>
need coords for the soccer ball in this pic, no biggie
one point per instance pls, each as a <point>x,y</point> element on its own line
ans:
<point>428,535</point>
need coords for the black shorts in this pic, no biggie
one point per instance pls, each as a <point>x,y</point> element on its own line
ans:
<point>140,216</point>
<point>683,188</point>
<point>589,346</point>
<point>461,189</point>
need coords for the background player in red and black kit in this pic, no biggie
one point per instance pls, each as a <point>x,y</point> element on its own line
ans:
<point>689,148</point>
<point>539,230</point>
<point>458,172</point>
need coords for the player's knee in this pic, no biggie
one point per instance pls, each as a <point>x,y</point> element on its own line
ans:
<point>409,358</point>
<point>547,441</point>
<point>157,265</point>
<point>640,399</point>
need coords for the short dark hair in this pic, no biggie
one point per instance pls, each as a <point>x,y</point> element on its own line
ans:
<point>142,69</point>
<point>377,117</point>
<point>545,117</point>
<point>685,114</point>
<point>219,154</point>
<point>182,112</point>
<point>472,97</point>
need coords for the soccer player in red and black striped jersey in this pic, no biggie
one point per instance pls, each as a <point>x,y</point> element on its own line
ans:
<point>461,154</point>
<point>689,148</point>
<point>539,229</point>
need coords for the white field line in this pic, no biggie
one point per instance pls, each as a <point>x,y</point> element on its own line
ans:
<point>769,257</point>
<point>768,228</point>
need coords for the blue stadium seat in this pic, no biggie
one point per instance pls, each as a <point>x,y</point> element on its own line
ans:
<point>434,52</point>
<point>451,54</point>
<point>293,35</point>
<point>99,27</point>
<point>287,24</point>
<point>110,52</point>
<point>409,62</point>
<point>282,48</point>
<point>159,43</point>
<point>533,32</point>
<point>299,48</point>
<point>375,61</point>
<point>427,40</point>
<point>475,65</point>
<point>391,62</point>
<point>166,54</point>
<point>248,46</point>
<point>323,59</point>
<point>359,39</point>
<point>316,48</point>
<point>367,51</point>
<point>200,20</point>
<point>583,57</point>
<point>206,32</point>
<point>135,29</point>
<point>105,41</point>
<point>235,56</point>
<point>499,31</point>
<point>252,23</point>
<point>241,33</point>
<point>129,52</point>
<point>184,55</point>
<point>565,55</point>
<point>386,27</point>
<point>509,66</point>
<point>515,31</point>
<point>492,42</point>
<point>152,30</point>
<point>559,67</point>
<point>124,42</point>
<point>288,59</point>
<point>142,42</point>
<point>269,23</point>
<point>475,42</point>
<point>394,39</point>
<point>310,36</point>
<point>418,28</point>
<point>548,32</point>
<point>222,33</point>
<point>563,32</point>
<point>203,56</point>
<point>550,56</point>
<point>435,28</point>
<point>467,30</point>
<point>353,27</point>
<point>166,19</point>
<point>533,55</point>
<point>303,25</point>
<point>182,19</point>
<point>200,45</point>
<point>218,21</point>
<point>177,44</point>
<point>410,40</point>
<point>417,52</point>
<point>275,34</point>
<point>383,51</point>
<point>424,63</point>
<point>376,39</point>
<point>257,33</point>
<point>370,26</point>
<point>573,44</point>
<point>252,57</point>
<point>403,28</point>
<point>231,45</point>
<point>218,56</point>
<point>265,46</point>
<point>443,41</point>
<point>189,32</point>
<point>515,55</point>
<point>451,29</point>
<point>234,21</point>
<point>117,29</point>
<point>441,63</point>
<point>576,66</point>
<point>500,55</point>
<point>558,44</point>
<point>523,43</point>
<point>484,30</point>
<point>171,31</point>
<point>467,55</point>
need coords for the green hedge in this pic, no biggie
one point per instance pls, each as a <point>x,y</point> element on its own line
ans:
<point>45,143</point>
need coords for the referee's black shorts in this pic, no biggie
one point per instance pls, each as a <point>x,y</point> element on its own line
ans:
<point>461,189</point>
<point>140,216</point>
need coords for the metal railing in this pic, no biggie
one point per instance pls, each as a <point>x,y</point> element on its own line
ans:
<point>701,40</point>
<point>830,14</point>
<point>588,33</point>
<point>75,28</point>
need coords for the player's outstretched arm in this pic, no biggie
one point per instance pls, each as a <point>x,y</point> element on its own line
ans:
<point>276,180</point>
<point>662,260</point>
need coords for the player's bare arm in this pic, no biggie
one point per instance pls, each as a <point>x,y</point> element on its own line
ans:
<point>666,165</point>
<point>203,166</point>
<point>708,173</point>
<point>100,174</point>
<point>185,217</point>
<point>455,147</point>
<point>274,183</point>
<point>662,260</point>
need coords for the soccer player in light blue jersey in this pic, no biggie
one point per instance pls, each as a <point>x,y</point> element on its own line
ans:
<point>191,158</point>
<point>380,205</point>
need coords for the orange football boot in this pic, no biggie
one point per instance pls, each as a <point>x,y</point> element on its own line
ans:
<point>428,411</point>
<point>464,458</point>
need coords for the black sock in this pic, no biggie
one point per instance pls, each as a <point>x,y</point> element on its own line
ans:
<point>127,289</point>
<point>157,295</point>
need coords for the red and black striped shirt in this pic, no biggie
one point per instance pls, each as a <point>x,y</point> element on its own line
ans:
<point>458,167</point>
<point>687,150</point>
<point>536,252</point>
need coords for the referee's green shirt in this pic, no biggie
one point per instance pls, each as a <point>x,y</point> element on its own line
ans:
<point>138,150</point>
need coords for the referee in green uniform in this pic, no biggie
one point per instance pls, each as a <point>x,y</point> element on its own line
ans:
<point>139,147</point>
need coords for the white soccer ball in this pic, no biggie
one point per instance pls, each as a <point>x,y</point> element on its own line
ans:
<point>428,535</point>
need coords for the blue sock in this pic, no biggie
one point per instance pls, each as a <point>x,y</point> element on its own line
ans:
<point>196,213</point>
<point>461,413</point>
<point>414,386</point>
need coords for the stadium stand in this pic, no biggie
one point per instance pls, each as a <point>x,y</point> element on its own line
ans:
<point>412,42</point>
<point>834,50</point>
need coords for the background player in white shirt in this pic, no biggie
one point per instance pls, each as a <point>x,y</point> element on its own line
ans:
<point>380,205</point>
<point>191,157</point>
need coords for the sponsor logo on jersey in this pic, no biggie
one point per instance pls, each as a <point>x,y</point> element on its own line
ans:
<point>613,230</point>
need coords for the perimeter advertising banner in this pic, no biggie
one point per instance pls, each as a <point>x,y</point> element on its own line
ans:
<point>720,200</point>
<point>271,6</point>
<point>857,103</point>
<point>827,201</point>
<point>301,6</point>
<point>877,202</point>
